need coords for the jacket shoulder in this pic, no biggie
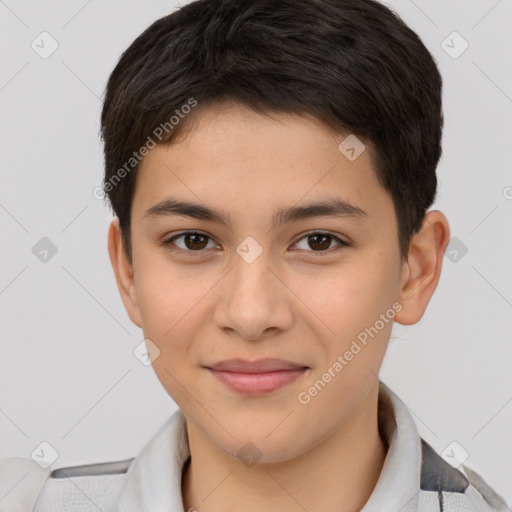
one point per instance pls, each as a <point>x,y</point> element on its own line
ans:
<point>446,488</point>
<point>83,487</point>
<point>24,486</point>
<point>98,469</point>
<point>492,500</point>
<point>21,481</point>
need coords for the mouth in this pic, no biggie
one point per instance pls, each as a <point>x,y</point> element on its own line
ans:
<point>255,378</point>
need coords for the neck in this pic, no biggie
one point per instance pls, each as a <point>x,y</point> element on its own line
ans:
<point>338,474</point>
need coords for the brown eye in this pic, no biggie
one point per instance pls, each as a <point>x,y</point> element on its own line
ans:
<point>319,242</point>
<point>191,241</point>
<point>195,241</point>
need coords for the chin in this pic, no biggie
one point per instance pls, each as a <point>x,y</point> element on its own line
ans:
<point>257,448</point>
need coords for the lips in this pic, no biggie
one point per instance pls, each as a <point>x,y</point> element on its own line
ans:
<point>258,366</point>
<point>256,377</point>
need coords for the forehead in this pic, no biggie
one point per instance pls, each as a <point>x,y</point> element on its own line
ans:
<point>233,156</point>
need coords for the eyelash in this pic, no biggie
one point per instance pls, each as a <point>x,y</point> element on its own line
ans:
<point>168,242</point>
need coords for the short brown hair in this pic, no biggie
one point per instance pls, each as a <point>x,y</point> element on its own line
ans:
<point>352,64</point>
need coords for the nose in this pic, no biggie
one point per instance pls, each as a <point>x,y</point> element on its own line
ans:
<point>253,302</point>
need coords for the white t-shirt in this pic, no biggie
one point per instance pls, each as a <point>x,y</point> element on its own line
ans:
<point>414,477</point>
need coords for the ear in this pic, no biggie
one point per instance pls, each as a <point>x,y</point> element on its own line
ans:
<point>123,272</point>
<point>422,269</point>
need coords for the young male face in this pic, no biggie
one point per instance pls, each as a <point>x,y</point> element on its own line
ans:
<point>223,299</point>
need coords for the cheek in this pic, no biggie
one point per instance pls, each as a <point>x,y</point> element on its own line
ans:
<point>173,309</point>
<point>170,321</point>
<point>345,300</point>
<point>168,298</point>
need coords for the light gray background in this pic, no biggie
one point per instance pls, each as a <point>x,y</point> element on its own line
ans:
<point>67,372</point>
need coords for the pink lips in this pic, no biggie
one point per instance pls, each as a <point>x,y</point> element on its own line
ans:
<point>256,377</point>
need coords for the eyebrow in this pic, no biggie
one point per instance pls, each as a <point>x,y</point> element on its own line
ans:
<point>333,207</point>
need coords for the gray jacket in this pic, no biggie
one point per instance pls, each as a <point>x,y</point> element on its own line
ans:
<point>414,477</point>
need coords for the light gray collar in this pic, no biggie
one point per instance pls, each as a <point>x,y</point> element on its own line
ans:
<point>153,481</point>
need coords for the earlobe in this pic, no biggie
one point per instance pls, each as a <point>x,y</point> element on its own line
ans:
<point>422,270</point>
<point>123,272</point>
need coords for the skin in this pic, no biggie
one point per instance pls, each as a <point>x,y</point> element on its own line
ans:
<point>294,302</point>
